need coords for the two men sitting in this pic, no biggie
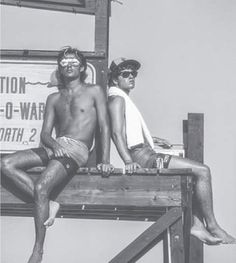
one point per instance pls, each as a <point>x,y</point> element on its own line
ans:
<point>74,112</point>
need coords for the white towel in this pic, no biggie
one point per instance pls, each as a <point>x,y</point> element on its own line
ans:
<point>136,128</point>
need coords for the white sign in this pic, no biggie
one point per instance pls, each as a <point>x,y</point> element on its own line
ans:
<point>23,90</point>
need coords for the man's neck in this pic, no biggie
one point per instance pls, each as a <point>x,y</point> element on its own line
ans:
<point>125,90</point>
<point>73,84</point>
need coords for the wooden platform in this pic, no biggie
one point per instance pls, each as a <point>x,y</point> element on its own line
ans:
<point>162,196</point>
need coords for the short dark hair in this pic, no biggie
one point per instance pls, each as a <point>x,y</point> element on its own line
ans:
<point>78,54</point>
<point>114,75</point>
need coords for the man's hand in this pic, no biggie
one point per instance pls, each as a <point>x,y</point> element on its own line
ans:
<point>105,169</point>
<point>131,168</point>
<point>60,151</point>
<point>162,143</point>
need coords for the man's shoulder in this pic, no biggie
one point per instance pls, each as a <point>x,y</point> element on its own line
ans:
<point>94,88</point>
<point>91,86</point>
<point>115,101</point>
<point>53,96</point>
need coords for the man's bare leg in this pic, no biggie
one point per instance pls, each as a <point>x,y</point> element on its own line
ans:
<point>13,167</point>
<point>52,176</point>
<point>53,210</point>
<point>198,230</point>
<point>212,233</point>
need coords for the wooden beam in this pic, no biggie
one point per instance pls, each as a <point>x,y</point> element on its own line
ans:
<point>101,45</point>
<point>187,186</point>
<point>177,249</point>
<point>88,189</point>
<point>102,26</point>
<point>194,128</point>
<point>136,190</point>
<point>119,171</point>
<point>90,212</point>
<point>72,6</point>
<point>43,54</point>
<point>148,238</point>
<point>195,142</point>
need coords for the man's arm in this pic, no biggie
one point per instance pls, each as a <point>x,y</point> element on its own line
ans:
<point>117,117</point>
<point>48,125</point>
<point>103,121</point>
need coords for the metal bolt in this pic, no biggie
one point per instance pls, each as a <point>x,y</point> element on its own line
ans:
<point>176,237</point>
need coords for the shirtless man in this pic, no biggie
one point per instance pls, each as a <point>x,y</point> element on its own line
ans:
<point>135,146</point>
<point>74,111</point>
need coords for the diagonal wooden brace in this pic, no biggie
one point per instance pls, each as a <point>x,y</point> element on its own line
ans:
<point>148,238</point>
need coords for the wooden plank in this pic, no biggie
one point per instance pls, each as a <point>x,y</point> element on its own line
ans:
<point>195,151</point>
<point>44,54</point>
<point>102,26</point>
<point>73,6</point>
<point>195,137</point>
<point>124,190</point>
<point>59,2</point>
<point>148,238</point>
<point>187,186</point>
<point>177,242</point>
<point>119,171</point>
<point>185,135</point>
<point>101,45</point>
<point>90,212</point>
<point>82,171</point>
<point>186,191</point>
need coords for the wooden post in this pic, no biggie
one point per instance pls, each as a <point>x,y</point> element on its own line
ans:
<point>101,45</point>
<point>177,242</point>
<point>186,184</point>
<point>193,137</point>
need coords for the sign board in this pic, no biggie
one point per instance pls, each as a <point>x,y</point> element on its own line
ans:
<point>75,6</point>
<point>23,90</point>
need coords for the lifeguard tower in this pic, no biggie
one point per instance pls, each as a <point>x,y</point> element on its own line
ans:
<point>162,196</point>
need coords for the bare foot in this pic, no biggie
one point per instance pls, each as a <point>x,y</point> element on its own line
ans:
<point>36,257</point>
<point>218,232</point>
<point>202,234</point>
<point>53,210</point>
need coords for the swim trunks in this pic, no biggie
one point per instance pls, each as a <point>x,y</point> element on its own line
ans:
<point>145,156</point>
<point>78,153</point>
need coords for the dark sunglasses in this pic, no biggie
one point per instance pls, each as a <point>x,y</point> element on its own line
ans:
<point>126,74</point>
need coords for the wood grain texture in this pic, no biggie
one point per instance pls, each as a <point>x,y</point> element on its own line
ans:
<point>195,151</point>
<point>44,54</point>
<point>177,242</point>
<point>140,196</point>
<point>136,190</point>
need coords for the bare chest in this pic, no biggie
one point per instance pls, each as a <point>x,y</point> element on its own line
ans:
<point>74,105</point>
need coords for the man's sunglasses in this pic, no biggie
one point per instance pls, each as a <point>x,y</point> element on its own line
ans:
<point>69,61</point>
<point>126,74</point>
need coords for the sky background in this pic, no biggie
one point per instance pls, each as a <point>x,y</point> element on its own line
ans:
<point>188,54</point>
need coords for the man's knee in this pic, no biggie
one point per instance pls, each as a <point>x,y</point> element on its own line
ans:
<point>6,165</point>
<point>204,171</point>
<point>41,192</point>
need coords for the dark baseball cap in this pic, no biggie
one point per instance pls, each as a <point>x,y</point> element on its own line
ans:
<point>119,63</point>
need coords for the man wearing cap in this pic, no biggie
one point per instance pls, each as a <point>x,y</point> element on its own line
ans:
<point>74,112</point>
<point>135,146</point>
